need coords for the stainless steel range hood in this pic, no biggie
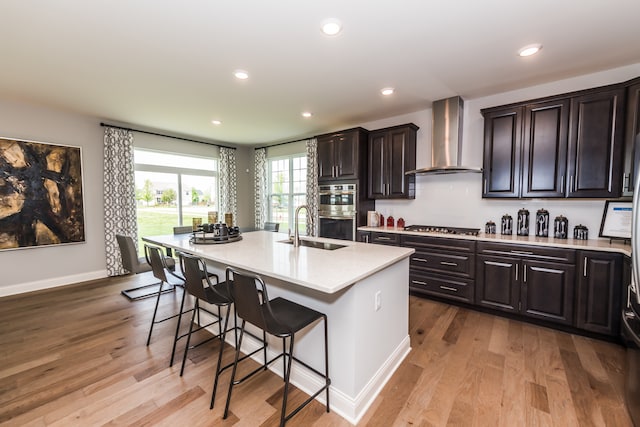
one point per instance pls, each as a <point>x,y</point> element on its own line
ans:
<point>446,144</point>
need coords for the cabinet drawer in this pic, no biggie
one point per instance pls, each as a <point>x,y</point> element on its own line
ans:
<point>385,238</point>
<point>532,252</point>
<point>462,264</point>
<point>458,289</point>
<point>427,242</point>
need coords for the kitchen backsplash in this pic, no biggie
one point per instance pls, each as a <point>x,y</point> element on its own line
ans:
<point>455,200</point>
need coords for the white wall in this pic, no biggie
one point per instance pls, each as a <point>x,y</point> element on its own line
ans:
<point>456,200</point>
<point>41,267</point>
<point>29,269</point>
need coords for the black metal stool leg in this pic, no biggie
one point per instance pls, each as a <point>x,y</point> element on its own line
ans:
<point>287,375</point>
<point>219,366</point>
<point>155,310</point>
<point>175,339</point>
<point>233,372</point>
<point>326,358</point>
<point>186,348</point>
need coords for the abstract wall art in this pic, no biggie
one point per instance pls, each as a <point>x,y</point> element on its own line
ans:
<point>41,199</point>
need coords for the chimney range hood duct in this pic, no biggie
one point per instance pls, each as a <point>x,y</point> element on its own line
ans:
<point>446,144</point>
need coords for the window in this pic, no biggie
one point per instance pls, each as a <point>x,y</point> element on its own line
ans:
<point>287,190</point>
<point>171,189</point>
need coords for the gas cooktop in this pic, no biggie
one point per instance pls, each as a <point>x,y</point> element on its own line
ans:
<point>443,230</point>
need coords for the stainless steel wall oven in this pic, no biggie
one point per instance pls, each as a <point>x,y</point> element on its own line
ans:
<point>337,211</point>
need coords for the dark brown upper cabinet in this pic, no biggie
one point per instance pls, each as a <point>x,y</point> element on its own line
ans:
<point>563,146</point>
<point>596,144</point>
<point>502,152</point>
<point>632,137</point>
<point>342,155</point>
<point>392,152</point>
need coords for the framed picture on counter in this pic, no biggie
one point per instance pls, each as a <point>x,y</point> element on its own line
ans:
<point>616,219</point>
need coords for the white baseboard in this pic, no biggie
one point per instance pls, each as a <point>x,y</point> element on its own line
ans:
<point>53,282</point>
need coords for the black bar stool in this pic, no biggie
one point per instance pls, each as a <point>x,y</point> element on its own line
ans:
<point>173,281</point>
<point>278,317</point>
<point>198,284</point>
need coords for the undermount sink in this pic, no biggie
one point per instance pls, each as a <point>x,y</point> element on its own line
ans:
<point>318,245</point>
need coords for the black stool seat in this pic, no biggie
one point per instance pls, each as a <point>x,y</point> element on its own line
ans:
<point>289,317</point>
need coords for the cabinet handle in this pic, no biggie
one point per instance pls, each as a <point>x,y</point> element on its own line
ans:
<point>571,183</point>
<point>383,238</point>
<point>584,270</point>
<point>485,186</point>
<point>626,186</point>
<point>524,275</point>
<point>453,264</point>
<point>420,259</point>
<point>448,288</point>
<point>516,272</point>
<point>562,183</point>
<point>418,282</point>
<point>521,252</point>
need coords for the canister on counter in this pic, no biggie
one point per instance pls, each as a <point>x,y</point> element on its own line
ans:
<point>196,223</point>
<point>490,227</point>
<point>212,216</point>
<point>507,224</point>
<point>580,232</point>
<point>228,219</point>
<point>560,227</point>
<point>523,222</point>
<point>542,223</point>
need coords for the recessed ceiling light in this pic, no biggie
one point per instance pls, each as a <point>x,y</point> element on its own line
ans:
<point>331,27</point>
<point>306,114</point>
<point>216,122</point>
<point>387,91</point>
<point>241,74</point>
<point>529,50</point>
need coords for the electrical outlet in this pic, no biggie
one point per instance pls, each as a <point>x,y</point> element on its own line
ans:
<point>377,301</point>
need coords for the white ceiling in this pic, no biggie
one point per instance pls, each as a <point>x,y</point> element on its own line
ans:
<point>168,65</point>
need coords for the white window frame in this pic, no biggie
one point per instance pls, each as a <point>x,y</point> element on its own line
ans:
<point>291,195</point>
<point>143,167</point>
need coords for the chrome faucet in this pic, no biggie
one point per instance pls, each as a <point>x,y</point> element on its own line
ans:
<point>296,233</point>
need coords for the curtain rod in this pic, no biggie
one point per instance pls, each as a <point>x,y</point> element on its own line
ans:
<point>166,136</point>
<point>282,143</point>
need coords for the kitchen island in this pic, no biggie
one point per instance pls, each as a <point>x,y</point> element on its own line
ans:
<point>363,289</point>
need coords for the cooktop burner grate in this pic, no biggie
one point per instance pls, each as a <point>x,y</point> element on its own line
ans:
<point>443,230</point>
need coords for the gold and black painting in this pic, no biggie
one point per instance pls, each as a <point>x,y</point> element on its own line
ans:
<point>41,200</point>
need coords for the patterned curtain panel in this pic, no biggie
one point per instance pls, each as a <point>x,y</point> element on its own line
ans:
<point>119,194</point>
<point>228,191</point>
<point>312,187</point>
<point>260,202</point>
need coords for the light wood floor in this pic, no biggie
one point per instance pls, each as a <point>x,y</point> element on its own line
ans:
<point>76,356</point>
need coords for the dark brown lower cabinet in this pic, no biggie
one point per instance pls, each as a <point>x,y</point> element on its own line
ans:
<point>526,280</point>
<point>599,292</point>
<point>442,267</point>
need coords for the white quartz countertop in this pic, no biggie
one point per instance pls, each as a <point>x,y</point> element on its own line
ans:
<point>599,244</point>
<point>323,270</point>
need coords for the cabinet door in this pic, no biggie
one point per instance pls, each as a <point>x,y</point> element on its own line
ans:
<point>326,165</point>
<point>547,291</point>
<point>346,155</point>
<point>596,144</point>
<point>402,158</point>
<point>544,161</point>
<point>497,283</point>
<point>363,236</point>
<point>376,183</point>
<point>599,292</point>
<point>502,153</point>
<point>632,138</point>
